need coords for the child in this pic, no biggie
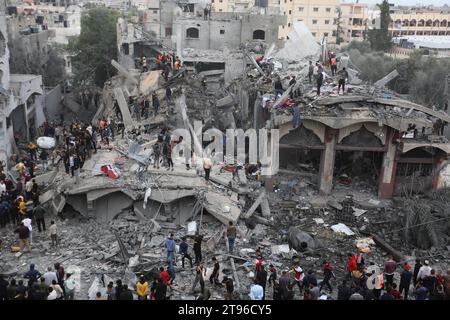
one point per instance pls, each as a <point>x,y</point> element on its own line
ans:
<point>53,235</point>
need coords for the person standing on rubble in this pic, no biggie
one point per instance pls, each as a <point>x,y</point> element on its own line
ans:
<point>229,288</point>
<point>145,107</point>
<point>319,78</point>
<point>24,234</point>
<point>53,233</point>
<point>389,269</point>
<point>170,247</point>
<point>231,235</point>
<point>278,86</point>
<point>283,285</point>
<point>261,279</point>
<point>144,64</point>
<point>343,75</point>
<point>207,165</point>
<point>157,153</point>
<point>310,71</point>
<point>351,265</point>
<point>142,288</point>
<point>155,103</point>
<point>328,274</point>
<point>200,271</point>
<point>184,252</point>
<point>168,95</point>
<point>333,65</point>
<point>214,277</point>
<point>198,248</point>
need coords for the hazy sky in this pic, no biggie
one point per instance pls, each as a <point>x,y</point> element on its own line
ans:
<point>405,2</point>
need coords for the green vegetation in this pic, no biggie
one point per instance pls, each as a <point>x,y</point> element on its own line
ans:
<point>379,38</point>
<point>420,76</point>
<point>94,49</point>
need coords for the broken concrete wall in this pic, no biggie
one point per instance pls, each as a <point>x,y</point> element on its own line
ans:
<point>107,207</point>
<point>79,203</point>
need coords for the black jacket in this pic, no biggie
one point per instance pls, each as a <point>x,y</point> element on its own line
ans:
<point>161,291</point>
<point>261,278</point>
<point>343,292</point>
<point>126,295</point>
<point>405,278</point>
<point>39,213</point>
<point>23,232</point>
<point>308,280</point>
<point>3,289</point>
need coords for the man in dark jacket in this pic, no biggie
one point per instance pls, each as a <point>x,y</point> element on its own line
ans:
<point>417,267</point>
<point>126,294</point>
<point>12,290</point>
<point>214,278</point>
<point>3,288</point>
<point>39,213</point>
<point>161,290</point>
<point>405,281</point>
<point>184,252</point>
<point>198,248</point>
<point>343,291</point>
<point>37,293</point>
<point>33,275</point>
<point>261,279</point>
<point>309,279</point>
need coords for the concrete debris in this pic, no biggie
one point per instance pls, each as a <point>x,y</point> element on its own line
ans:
<point>342,228</point>
<point>300,45</point>
<point>302,241</point>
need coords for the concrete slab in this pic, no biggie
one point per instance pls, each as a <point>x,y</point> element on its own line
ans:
<point>222,208</point>
<point>126,115</point>
<point>149,83</point>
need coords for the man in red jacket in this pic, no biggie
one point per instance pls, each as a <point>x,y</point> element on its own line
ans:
<point>327,274</point>
<point>351,264</point>
<point>164,276</point>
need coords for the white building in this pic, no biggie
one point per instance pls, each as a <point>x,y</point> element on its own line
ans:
<point>21,112</point>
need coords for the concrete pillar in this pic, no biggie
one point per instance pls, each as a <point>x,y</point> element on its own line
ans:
<point>388,167</point>
<point>327,161</point>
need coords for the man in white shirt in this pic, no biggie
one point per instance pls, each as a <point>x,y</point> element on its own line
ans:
<point>52,294</point>
<point>256,292</point>
<point>424,271</point>
<point>49,276</point>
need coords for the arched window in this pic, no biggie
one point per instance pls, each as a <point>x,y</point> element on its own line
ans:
<point>405,23</point>
<point>259,35</point>
<point>429,23</point>
<point>421,23</point>
<point>412,23</point>
<point>436,23</point>
<point>443,23</point>
<point>398,21</point>
<point>192,33</point>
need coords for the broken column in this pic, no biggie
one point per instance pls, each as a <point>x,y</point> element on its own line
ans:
<point>327,161</point>
<point>388,167</point>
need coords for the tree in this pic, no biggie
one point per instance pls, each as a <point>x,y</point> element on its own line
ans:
<point>337,22</point>
<point>94,48</point>
<point>380,38</point>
